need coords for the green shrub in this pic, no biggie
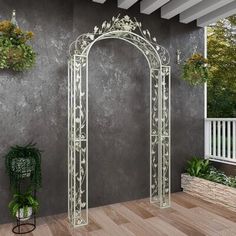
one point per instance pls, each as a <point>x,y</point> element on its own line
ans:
<point>203,169</point>
<point>198,167</point>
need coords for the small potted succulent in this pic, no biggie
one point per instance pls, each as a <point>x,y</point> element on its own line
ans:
<point>195,70</point>
<point>23,205</point>
<point>23,162</point>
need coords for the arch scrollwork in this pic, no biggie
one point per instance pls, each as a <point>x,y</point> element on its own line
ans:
<point>158,58</point>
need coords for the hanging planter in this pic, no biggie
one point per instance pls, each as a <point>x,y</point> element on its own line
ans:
<point>15,52</point>
<point>23,162</point>
<point>195,70</point>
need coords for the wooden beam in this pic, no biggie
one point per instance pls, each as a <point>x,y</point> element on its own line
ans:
<point>175,7</point>
<point>223,12</point>
<point>125,4</point>
<point>99,1</point>
<point>149,6</point>
<point>201,9</point>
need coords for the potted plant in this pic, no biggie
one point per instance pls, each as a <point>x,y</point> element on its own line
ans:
<point>195,70</point>
<point>15,52</point>
<point>22,162</point>
<point>205,181</point>
<point>23,205</point>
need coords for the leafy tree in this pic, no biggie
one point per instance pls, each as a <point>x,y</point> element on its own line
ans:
<point>222,59</point>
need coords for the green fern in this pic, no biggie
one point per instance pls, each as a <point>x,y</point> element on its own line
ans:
<point>202,168</point>
<point>198,167</point>
<point>23,201</point>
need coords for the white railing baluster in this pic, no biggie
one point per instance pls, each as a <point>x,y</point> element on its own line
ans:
<point>223,139</point>
<point>220,140</point>
<point>228,139</point>
<point>214,138</point>
<point>234,141</point>
<point>207,138</point>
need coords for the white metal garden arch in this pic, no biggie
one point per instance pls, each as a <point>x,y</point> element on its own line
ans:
<point>129,30</point>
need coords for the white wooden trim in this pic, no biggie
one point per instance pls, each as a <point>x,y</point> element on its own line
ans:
<point>99,1</point>
<point>220,139</point>
<point>201,9</point>
<point>149,6</point>
<point>220,119</point>
<point>216,15</point>
<point>175,7</point>
<point>126,4</point>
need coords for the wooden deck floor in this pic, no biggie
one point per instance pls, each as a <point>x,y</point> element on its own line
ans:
<point>187,216</point>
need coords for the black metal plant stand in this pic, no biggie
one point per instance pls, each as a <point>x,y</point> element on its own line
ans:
<point>18,228</point>
<point>29,224</point>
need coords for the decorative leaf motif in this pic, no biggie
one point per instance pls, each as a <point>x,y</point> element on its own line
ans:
<point>119,27</point>
<point>91,36</point>
<point>95,29</point>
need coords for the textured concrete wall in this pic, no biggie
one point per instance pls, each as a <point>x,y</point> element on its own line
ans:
<point>33,104</point>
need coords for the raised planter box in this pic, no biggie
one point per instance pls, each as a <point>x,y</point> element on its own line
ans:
<point>209,191</point>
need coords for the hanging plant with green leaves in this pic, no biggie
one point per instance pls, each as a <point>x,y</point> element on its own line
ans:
<point>24,162</point>
<point>15,52</point>
<point>195,70</point>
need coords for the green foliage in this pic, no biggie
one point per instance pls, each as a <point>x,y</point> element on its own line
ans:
<point>203,169</point>
<point>22,162</point>
<point>15,53</point>
<point>220,177</point>
<point>23,201</point>
<point>222,58</point>
<point>198,167</point>
<point>195,70</point>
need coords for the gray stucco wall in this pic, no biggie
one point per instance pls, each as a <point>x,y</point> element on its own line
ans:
<point>33,105</point>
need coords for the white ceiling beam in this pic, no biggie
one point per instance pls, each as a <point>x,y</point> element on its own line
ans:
<point>175,7</point>
<point>99,1</point>
<point>223,12</point>
<point>125,4</point>
<point>149,6</point>
<point>201,9</point>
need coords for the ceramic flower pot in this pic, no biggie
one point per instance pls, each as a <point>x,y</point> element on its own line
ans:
<point>23,217</point>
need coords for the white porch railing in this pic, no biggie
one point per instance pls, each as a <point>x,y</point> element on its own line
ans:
<point>220,139</point>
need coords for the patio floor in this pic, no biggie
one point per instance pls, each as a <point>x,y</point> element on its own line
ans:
<point>187,216</point>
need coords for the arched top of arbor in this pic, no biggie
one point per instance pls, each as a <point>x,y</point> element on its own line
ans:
<point>126,29</point>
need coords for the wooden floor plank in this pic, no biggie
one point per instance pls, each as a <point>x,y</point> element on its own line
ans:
<point>216,209</point>
<point>188,215</point>
<point>135,219</point>
<point>115,216</point>
<point>109,226</point>
<point>137,230</point>
<point>199,220</point>
<point>164,227</point>
<point>138,210</point>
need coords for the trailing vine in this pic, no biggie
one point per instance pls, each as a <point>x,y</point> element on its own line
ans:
<point>23,162</point>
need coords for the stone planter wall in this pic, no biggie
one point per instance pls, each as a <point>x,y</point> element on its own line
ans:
<point>209,191</point>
